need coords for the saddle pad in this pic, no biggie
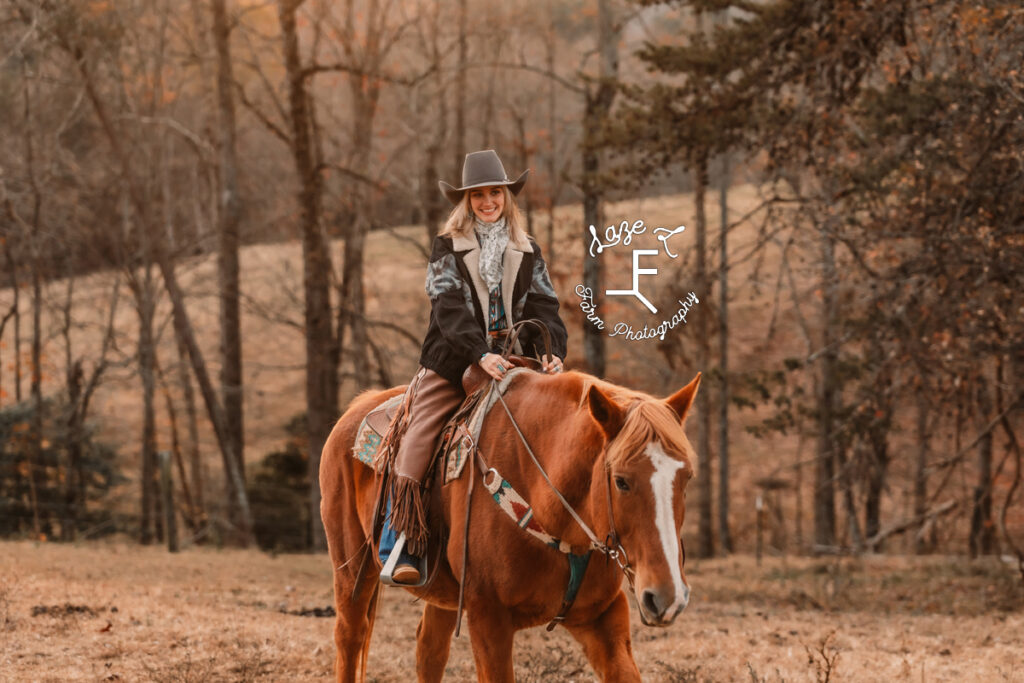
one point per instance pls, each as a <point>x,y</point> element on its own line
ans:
<point>371,430</point>
<point>468,434</point>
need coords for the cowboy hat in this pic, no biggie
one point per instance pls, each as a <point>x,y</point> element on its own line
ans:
<point>482,169</point>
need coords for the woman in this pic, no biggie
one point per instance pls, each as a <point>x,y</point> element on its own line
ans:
<point>485,274</point>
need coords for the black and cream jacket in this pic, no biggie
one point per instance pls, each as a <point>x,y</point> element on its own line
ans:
<point>456,335</point>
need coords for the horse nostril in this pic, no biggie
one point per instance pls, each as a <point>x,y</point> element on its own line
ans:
<point>650,603</point>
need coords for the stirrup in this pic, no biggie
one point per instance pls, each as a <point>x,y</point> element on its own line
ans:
<point>389,566</point>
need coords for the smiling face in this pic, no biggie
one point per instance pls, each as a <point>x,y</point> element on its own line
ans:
<point>487,203</point>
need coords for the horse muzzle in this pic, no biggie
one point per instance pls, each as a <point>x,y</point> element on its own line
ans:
<point>661,607</point>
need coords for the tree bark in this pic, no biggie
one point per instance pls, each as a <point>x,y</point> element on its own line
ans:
<point>922,544</point>
<point>724,534</point>
<point>15,313</point>
<point>147,372</point>
<point>432,201</point>
<point>982,539</point>
<point>459,142</point>
<point>192,424</point>
<point>321,368</point>
<point>230,217</point>
<point>598,104</point>
<point>824,468</point>
<point>705,482</point>
<point>36,383</point>
<point>553,184</point>
<point>365,92</point>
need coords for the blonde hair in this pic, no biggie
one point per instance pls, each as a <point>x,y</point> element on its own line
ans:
<point>460,220</point>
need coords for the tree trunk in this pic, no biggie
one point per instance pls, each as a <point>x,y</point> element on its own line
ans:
<point>230,217</point>
<point>878,470</point>
<point>214,409</point>
<point>856,538</point>
<point>36,386</point>
<point>922,544</point>
<point>982,539</point>
<point>705,482</point>
<point>321,367</point>
<point>824,469</point>
<point>353,291</point>
<point>724,535</point>
<point>73,432</point>
<point>192,424</point>
<point>551,190</point>
<point>597,106</point>
<point>459,142</point>
<point>15,313</point>
<point>593,338</point>
<point>875,487</point>
<point>147,372</point>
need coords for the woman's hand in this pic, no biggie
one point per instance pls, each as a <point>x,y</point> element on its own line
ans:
<point>553,365</point>
<point>494,365</point>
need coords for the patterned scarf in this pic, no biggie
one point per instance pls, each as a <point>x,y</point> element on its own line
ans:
<point>493,239</point>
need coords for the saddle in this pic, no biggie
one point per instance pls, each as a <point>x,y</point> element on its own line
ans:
<point>459,434</point>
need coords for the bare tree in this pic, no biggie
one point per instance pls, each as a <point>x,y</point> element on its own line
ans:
<point>599,94</point>
<point>230,217</point>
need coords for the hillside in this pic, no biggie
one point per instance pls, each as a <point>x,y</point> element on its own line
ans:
<point>274,354</point>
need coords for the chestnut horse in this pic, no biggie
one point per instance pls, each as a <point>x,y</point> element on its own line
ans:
<point>621,460</point>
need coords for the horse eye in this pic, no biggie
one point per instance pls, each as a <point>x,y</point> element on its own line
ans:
<point>621,484</point>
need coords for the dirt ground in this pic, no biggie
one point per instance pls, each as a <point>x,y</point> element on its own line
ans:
<point>120,612</point>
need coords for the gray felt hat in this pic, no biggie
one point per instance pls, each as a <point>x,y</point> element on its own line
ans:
<point>482,169</point>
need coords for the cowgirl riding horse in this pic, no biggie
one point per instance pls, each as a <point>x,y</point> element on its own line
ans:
<point>485,274</point>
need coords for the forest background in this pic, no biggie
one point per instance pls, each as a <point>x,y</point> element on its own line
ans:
<point>215,219</point>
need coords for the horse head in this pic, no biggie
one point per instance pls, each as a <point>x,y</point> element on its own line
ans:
<point>648,461</point>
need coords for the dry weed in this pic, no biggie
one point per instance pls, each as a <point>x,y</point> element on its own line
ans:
<point>757,678</point>
<point>823,657</point>
<point>8,587</point>
<point>186,670</point>
<point>554,663</point>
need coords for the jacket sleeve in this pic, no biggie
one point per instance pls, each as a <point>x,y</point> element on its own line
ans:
<point>452,303</point>
<point>542,304</point>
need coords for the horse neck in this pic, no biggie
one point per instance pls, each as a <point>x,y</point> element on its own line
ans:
<point>589,502</point>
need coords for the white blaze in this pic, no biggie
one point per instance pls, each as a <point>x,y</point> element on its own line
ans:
<point>665,468</point>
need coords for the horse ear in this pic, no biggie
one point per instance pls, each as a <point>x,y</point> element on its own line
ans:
<point>606,411</point>
<point>683,399</point>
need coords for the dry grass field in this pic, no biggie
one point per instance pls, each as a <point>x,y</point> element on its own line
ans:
<point>119,612</point>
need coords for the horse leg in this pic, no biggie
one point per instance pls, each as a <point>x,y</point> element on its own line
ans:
<point>433,642</point>
<point>607,644</point>
<point>492,647</point>
<point>353,626</point>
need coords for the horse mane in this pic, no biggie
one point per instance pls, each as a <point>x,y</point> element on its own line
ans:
<point>647,419</point>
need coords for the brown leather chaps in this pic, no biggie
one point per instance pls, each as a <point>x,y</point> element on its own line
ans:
<point>431,400</point>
